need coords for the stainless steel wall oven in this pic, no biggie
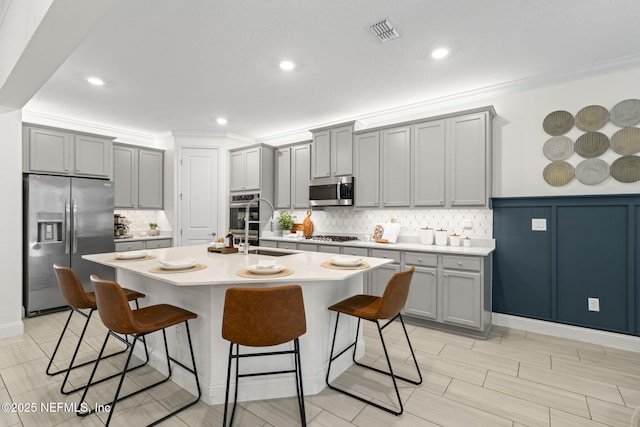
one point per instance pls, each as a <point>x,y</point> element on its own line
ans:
<point>237,212</point>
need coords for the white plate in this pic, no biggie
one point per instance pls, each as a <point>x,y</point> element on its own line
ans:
<point>258,269</point>
<point>344,261</point>
<point>130,255</point>
<point>178,264</point>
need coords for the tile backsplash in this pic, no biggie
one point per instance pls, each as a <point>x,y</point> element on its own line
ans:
<point>345,221</point>
<point>140,219</point>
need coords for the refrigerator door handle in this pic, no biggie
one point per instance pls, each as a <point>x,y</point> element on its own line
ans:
<point>67,226</point>
<point>75,227</point>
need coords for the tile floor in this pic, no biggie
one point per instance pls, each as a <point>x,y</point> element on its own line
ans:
<point>514,378</point>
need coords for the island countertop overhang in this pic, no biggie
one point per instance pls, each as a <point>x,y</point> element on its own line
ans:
<point>221,269</point>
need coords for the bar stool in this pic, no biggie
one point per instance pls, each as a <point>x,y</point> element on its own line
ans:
<point>117,315</point>
<point>78,299</point>
<point>263,317</point>
<point>374,309</point>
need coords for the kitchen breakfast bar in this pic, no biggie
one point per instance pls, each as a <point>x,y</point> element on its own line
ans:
<point>201,289</point>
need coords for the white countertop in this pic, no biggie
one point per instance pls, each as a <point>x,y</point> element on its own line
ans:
<point>480,247</point>
<point>221,268</point>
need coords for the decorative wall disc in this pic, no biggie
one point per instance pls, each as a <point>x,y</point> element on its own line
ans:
<point>592,171</point>
<point>592,118</point>
<point>558,148</point>
<point>626,169</point>
<point>626,141</point>
<point>558,173</point>
<point>626,113</point>
<point>592,144</point>
<point>558,123</point>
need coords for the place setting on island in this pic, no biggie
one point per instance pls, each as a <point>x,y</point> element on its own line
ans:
<point>264,267</point>
<point>341,262</point>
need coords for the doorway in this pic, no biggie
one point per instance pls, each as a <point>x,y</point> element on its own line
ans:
<point>198,195</point>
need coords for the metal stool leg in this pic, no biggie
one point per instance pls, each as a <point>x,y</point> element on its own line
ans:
<point>389,373</point>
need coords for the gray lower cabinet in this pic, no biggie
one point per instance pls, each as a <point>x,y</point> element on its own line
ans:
<point>268,243</point>
<point>330,249</point>
<point>138,245</point>
<point>60,152</point>
<point>288,245</point>
<point>423,294</point>
<point>462,291</point>
<point>379,277</point>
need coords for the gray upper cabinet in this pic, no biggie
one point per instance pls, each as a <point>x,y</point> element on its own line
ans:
<point>125,176</point>
<point>150,179</point>
<point>469,154</point>
<point>367,169</point>
<point>332,153</point>
<point>60,152</point>
<point>292,176</point>
<point>444,162</point>
<point>138,175</point>
<point>396,167</point>
<point>283,178</point>
<point>300,175</point>
<point>246,167</point>
<point>428,163</point>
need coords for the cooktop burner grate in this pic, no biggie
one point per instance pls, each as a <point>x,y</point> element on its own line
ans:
<point>330,238</point>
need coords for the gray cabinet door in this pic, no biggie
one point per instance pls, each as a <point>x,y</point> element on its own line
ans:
<point>283,178</point>
<point>462,298</point>
<point>50,151</point>
<point>150,179</point>
<point>321,155</point>
<point>380,277</point>
<point>467,160</point>
<point>342,151</point>
<point>396,167</point>
<point>253,164</point>
<point>428,163</point>
<point>92,156</point>
<point>125,179</point>
<point>300,175</point>
<point>237,166</point>
<point>367,169</point>
<point>423,293</point>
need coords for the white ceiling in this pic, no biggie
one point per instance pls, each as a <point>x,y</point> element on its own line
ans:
<point>175,65</point>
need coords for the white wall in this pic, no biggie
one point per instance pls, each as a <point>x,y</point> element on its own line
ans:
<point>11,250</point>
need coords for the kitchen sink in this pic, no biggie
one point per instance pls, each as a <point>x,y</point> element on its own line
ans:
<point>267,252</point>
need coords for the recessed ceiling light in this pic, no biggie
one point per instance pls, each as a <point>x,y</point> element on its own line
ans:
<point>95,81</point>
<point>439,53</point>
<point>221,121</point>
<point>287,65</point>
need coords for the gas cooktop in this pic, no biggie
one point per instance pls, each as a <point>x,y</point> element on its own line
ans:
<point>329,238</point>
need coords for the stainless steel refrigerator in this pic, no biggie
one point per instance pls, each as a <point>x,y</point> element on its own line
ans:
<point>64,218</point>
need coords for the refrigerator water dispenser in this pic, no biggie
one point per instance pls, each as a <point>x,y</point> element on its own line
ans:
<point>49,227</point>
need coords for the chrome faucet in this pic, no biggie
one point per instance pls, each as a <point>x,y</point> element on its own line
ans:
<point>247,221</point>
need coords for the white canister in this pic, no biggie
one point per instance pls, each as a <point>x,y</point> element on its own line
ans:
<point>426,236</point>
<point>466,242</point>
<point>454,239</point>
<point>441,237</point>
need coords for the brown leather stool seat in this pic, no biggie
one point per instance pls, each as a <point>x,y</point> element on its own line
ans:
<point>78,299</point>
<point>263,317</point>
<point>120,318</point>
<point>374,309</point>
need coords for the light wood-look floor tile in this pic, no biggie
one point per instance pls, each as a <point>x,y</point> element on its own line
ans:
<point>514,378</point>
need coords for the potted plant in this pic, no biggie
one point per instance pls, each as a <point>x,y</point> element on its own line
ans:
<point>153,229</point>
<point>286,222</point>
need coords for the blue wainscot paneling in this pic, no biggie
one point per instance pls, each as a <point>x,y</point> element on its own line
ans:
<point>590,249</point>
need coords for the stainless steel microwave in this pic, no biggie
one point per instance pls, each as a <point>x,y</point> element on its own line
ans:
<point>337,191</point>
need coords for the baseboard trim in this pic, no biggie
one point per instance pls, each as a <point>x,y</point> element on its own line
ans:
<point>608,339</point>
<point>11,329</point>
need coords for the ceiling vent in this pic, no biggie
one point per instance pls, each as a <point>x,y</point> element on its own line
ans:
<point>384,31</point>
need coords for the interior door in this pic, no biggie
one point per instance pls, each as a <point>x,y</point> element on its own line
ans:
<point>198,195</point>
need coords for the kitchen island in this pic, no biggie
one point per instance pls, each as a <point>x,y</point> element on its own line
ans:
<point>202,291</point>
